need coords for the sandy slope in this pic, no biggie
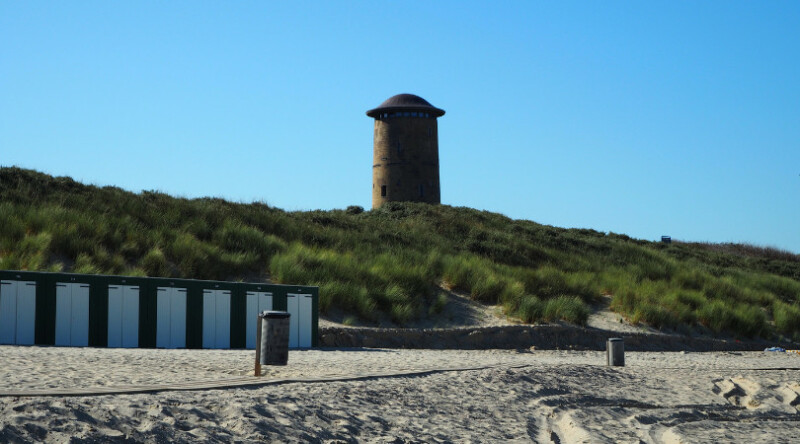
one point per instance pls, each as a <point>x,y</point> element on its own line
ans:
<point>541,396</point>
<point>461,311</point>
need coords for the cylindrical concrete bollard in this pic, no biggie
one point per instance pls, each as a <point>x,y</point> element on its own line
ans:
<point>274,337</point>
<point>615,351</point>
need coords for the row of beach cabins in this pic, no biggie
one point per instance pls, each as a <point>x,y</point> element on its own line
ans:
<point>76,310</point>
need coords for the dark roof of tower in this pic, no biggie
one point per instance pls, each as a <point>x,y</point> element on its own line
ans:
<point>405,102</point>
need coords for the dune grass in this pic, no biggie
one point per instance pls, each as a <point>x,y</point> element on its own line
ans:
<point>393,262</point>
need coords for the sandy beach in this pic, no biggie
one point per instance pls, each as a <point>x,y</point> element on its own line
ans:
<point>382,395</point>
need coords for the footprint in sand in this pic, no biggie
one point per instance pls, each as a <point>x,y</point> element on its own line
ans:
<point>738,391</point>
<point>790,394</point>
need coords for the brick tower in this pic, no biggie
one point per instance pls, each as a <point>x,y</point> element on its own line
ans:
<point>405,165</point>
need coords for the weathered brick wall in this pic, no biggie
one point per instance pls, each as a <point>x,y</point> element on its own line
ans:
<point>405,160</point>
<point>542,337</point>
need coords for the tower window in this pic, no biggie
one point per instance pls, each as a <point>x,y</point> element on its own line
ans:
<point>383,190</point>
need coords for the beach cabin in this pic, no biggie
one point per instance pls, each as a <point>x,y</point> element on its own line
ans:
<point>77,310</point>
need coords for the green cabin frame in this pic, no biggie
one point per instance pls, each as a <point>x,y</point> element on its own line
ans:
<point>46,306</point>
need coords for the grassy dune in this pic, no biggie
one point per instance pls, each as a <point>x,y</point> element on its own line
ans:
<point>394,261</point>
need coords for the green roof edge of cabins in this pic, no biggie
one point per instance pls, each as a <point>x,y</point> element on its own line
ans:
<point>45,330</point>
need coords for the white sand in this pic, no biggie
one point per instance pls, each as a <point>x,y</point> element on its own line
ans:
<point>541,396</point>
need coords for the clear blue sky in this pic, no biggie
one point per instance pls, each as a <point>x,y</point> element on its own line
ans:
<point>676,118</point>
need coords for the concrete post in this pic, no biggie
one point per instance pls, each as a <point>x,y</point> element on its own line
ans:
<point>615,352</point>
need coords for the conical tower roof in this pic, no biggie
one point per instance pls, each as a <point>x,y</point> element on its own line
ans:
<point>405,102</point>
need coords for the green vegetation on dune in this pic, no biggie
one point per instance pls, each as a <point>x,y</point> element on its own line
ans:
<point>393,261</point>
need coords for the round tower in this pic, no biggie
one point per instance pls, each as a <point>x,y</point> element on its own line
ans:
<point>405,165</point>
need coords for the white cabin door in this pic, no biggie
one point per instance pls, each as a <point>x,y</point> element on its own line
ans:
<point>257,301</point>
<point>63,314</point>
<point>114,316</point>
<point>171,318</point>
<point>17,312</point>
<point>79,331</point>
<point>178,318</point>
<point>223,327</point>
<point>293,307</point>
<point>209,318</point>
<point>304,321</point>
<point>299,306</point>
<point>130,317</point>
<point>216,319</point>
<point>26,313</point>
<point>163,317</point>
<point>123,316</point>
<point>72,314</point>
<point>8,312</point>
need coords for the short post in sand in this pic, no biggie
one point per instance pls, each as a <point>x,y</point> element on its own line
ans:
<point>258,346</point>
<point>615,352</point>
